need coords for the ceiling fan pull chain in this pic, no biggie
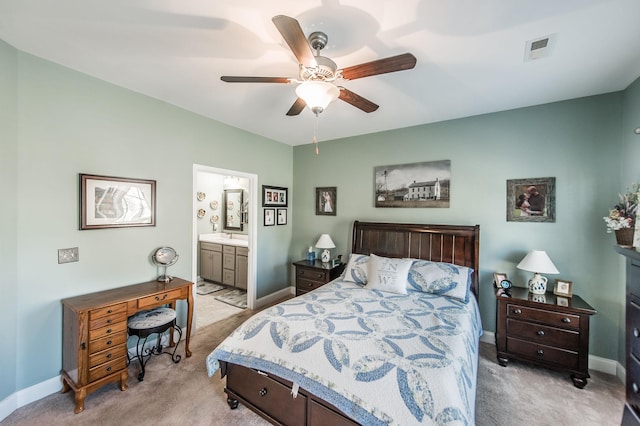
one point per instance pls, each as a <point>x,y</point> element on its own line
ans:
<point>315,132</point>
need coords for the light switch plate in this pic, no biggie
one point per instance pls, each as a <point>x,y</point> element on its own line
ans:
<point>68,255</point>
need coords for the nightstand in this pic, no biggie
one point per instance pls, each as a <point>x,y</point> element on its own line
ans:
<point>547,330</point>
<point>311,275</point>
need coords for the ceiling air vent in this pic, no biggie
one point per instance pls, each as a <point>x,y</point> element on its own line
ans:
<point>538,48</point>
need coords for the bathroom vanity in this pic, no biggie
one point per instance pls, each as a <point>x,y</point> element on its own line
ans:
<point>224,260</point>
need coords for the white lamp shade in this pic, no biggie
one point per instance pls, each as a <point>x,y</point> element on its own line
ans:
<point>317,94</point>
<point>325,242</point>
<point>538,261</point>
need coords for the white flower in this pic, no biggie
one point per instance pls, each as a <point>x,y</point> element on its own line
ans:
<point>616,223</point>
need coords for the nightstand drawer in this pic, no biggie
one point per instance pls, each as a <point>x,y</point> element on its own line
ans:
<point>312,274</point>
<point>557,319</point>
<point>633,325</point>
<point>307,285</point>
<point>542,353</point>
<point>633,381</point>
<point>550,336</point>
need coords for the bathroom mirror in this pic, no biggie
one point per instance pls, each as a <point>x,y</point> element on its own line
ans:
<point>233,209</point>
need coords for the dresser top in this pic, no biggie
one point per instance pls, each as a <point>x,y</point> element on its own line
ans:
<point>549,300</point>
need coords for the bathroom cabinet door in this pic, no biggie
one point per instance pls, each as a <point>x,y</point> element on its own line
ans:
<point>241,269</point>
<point>211,262</point>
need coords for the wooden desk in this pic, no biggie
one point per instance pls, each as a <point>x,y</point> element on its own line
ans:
<point>94,334</point>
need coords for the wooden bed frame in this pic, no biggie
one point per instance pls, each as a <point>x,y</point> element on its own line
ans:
<point>270,396</point>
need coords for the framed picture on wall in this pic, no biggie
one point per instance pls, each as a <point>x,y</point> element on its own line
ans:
<point>274,196</point>
<point>269,217</point>
<point>115,202</point>
<point>282,217</point>
<point>531,200</point>
<point>326,200</point>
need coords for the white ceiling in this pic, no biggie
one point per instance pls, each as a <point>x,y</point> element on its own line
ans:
<point>470,54</point>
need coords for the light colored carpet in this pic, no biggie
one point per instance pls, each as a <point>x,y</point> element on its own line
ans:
<point>237,298</point>
<point>209,310</point>
<point>207,288</point>
<point>176,394</point>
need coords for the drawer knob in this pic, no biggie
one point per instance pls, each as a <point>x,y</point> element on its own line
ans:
<point>83,345</point>
<point>540,352</point>
<point>634,387</point>
<point>163,297</point>
<point>566,320</point>
<point>108,342</point>
<point>109,321</point>
<point>108,368</point>
<point>636,332</point>
<point>108,356</point>
<point>540,333</point>
<point>262,391</point>
<point>517,311</point>
<point>108,330</point>
<point>109,311</point>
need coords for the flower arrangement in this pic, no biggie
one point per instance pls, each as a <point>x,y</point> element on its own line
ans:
<point>623,214</point>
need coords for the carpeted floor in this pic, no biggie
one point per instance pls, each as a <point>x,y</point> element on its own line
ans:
<point>175,394</point>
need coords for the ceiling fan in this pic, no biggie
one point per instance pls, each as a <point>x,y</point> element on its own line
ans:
<point>319,75</point>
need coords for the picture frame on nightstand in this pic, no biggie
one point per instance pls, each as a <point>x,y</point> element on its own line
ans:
<point>563,288</point>
<point>498,277</point>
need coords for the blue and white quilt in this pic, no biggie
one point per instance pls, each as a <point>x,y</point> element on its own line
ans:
<point>381,358</point>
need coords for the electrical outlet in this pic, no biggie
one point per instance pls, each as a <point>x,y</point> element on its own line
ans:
<point>68,255</point>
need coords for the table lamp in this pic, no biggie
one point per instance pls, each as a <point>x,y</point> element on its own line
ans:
<point>325,242</point>
<point>537,261</point>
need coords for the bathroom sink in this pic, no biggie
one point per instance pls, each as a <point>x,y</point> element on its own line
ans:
<point>239,240</point>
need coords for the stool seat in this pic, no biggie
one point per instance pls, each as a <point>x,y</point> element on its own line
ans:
<point>145,323</point>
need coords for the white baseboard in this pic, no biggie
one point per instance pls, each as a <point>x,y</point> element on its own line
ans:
<point>28,395</point>
<point>273,297</point>
<point>603,365</point>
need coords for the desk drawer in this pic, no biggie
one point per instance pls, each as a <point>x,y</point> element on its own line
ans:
<point>108,330</point>
<point>266,393</point>
<point>110,354</point>
<point>550,336</point>
<point>107,342</point>
<point>108,320</point>
<point>160,298</point>
<point>107,310</point>
<point>557,319</point>
<point>105,369</point>
<point>542,353</point>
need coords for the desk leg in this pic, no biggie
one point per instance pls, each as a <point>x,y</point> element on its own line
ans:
<point>187,351</point>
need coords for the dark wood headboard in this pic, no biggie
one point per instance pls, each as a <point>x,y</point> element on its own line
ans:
<point>457,244</point>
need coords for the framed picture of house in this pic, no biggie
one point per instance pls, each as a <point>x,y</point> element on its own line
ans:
<point>326,201</point>
<point>274,196</point>
<point>424,184</point>
<point>531,200</point>
<point>115,202</point>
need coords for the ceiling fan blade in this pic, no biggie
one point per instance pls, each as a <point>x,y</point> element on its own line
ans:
<point>357,101</point>
<point>296,108</point>
<point>237,79</point>
<point>405,61</point>
<point>295,38</point>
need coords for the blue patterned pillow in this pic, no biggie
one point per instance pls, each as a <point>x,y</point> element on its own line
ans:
<point>388,274</point>
<point>357,269</point>
<point>440,278</point>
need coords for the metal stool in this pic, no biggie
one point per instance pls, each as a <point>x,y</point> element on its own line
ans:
<point>145,323</point>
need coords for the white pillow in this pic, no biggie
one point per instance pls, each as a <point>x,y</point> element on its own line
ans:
<point>388,274</point>
<point>357,268</point>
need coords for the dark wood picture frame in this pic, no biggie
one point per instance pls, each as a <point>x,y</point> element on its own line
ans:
<point>326,201</point>
<point>563,288</point>
<point>275,196</point>
<point>116,202</point>
<point>520,200</point>
<point>281,216</point>
<point>269,217</point>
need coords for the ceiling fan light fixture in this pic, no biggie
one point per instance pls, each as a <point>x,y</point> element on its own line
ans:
<point>317,94</point>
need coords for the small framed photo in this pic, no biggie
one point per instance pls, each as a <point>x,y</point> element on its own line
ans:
<point>282,216</point>
<point>563,288</point>
<point>326,201</point>
<point>498,277</point>
<point>274,196</point>
<point>269,217</point>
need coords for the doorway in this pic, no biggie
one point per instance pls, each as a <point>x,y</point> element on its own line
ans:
<point>209,185</point>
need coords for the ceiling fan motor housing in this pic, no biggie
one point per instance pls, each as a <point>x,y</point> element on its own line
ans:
<point>326,70</point>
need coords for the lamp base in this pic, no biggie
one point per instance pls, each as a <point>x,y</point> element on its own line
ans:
<point>326,256</point>
<point>538,284</point>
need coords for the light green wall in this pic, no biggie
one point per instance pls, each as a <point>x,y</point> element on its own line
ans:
<point>70,123</point>
<point>577,142</point>
<point>8,217</point>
